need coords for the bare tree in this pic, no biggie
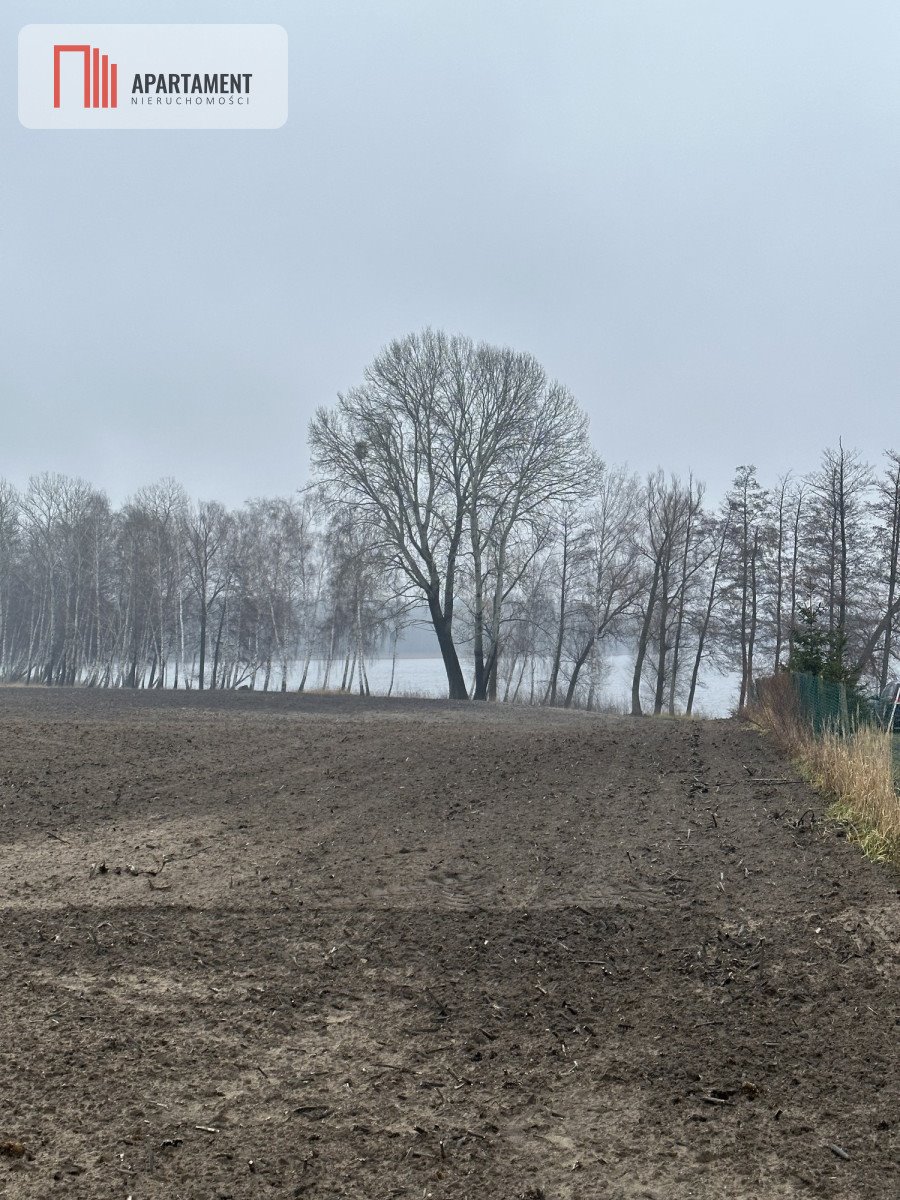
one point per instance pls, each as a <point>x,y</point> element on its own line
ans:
<point>717,534</point>
<point>206,530</point>
<point>445,439</point>
<point>839,554</point>
<point>609,579</point>
<point>570,546</point>
<point>796,524</point>
<point>693,558</point>
<point>527,452</point>
<point>9,537</point>
<point>164,507</point>
<point>669,508</point>
<point>747,502</point>
<point>780,500</point>
<point>886,513</point>
<point>393,446</point>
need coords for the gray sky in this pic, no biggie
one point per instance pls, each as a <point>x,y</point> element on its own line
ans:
<point>688,211</point>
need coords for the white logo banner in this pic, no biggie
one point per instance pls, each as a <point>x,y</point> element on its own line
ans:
<point>153,76</point>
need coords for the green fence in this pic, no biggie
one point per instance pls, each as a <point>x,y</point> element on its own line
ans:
<point>834,707</point>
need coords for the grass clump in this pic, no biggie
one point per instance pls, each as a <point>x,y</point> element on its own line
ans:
<point>855,771</point>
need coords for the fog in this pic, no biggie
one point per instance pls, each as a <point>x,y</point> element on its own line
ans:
<point>686,212</point>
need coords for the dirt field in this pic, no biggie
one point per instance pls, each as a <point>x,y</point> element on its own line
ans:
<point>275,946</point>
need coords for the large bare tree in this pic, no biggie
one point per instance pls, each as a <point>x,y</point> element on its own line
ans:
<point>448,446</point>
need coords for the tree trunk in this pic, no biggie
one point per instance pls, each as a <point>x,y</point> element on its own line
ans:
<point>480,680</point>
<point>884,675</point>
<point>203,616</point>
<point>218,647</point>
<point>710,602</point>
<point>576,671</point>
<point>444,632</point>
<point>636,710</point>
<point>747,680</point>
<point>393,662</point>
<point>550,697</point>
<point>663,637</point>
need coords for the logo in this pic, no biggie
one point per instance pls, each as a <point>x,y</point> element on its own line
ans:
<point>127,77</point>
<point>105,75</point>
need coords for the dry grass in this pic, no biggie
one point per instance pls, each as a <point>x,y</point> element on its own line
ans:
<point>856,771</point>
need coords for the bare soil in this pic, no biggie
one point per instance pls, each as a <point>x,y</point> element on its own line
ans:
<point>280,946</point>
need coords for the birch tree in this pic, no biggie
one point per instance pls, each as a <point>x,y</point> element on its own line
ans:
<point>205,531</point>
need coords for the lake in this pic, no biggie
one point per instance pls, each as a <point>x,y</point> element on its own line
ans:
<point>425,676</point>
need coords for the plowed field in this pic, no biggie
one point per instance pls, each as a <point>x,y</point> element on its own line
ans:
<point>258,946</point>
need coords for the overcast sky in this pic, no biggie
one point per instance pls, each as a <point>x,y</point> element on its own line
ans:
<point>688,211</point>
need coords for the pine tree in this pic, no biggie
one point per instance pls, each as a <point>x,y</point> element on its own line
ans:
<point>810,649</point>
<point>818,651</point>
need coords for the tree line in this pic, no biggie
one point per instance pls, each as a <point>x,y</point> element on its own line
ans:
<point>457,486</point>
<point>165,592</point>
